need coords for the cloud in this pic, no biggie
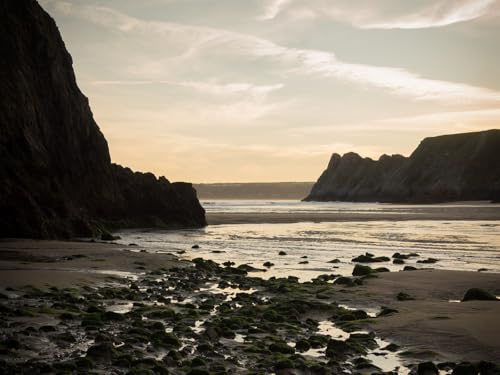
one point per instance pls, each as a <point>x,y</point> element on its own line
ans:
<point>428,123</point>
<point>200,41</point>
<point>273,8</point>
<point>440,14</point>
<point>215,88</point>
<point>366,15</point>
<point>120,83</point>
<point>210,87</point>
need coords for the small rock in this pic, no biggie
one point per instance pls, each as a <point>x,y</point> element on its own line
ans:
<point>387,311</point>
<point>427,368</point>
<point>428,261</point>
<point>404,297</point>
<point>409,268</point>
<point>478,295</point>
<point>360,270</point>
<point>465,368</point>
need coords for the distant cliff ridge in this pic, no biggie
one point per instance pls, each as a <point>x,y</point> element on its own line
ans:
<point>446,168</point>
<point>56,176</point>
<point>254,190</point>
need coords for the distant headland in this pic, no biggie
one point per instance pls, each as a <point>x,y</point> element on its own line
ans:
<point>457,167</point>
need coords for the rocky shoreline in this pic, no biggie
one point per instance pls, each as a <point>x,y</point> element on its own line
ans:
<point>161,315</point>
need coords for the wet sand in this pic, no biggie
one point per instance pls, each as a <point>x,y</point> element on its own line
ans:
<point>427,213</point>
<point>66,264</point>
<point>430,322</point>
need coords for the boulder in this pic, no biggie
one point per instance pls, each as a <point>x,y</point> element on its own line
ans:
<point>476,294</point>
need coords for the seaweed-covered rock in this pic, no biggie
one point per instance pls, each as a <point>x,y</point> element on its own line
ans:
<point>409,268</point>
<point>387,311</point>
<point>103,352</point>
<point>302,346</point>
<point>428,261</point>
<point>281,347</point>
<point>402,296</point>
<point>360,270</point>
<point>370,258</point>
<point>427,368</point>
<point>465,368</point>
<point>478,295</point>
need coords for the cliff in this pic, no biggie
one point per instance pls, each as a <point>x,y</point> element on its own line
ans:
<point>57,179</point>
<point>254,190</point>
<point>445,168</point>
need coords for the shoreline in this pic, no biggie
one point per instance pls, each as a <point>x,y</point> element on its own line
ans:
<point>73,263</point>
<point>219,218</point>
<point>429,327</point>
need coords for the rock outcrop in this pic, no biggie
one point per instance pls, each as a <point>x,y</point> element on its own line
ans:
<point>57,179</point>
<point>445,168</point>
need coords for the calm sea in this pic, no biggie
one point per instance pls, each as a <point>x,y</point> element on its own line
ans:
<point>309,246</point>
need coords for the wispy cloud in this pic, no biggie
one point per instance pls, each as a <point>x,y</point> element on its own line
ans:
<point>440,14</point>
<point>273,8</point>
<point>198,40</point>
<point>212,87</point>
<point>427,123</point>
<point>373,15</point>
<point>120,83</point>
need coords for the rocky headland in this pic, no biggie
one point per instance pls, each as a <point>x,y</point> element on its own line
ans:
<point>458,167</point>
<point>56,172</point>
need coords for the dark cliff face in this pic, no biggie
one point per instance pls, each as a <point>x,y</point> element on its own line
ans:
<point>445,168</point>
<point>57,179</point>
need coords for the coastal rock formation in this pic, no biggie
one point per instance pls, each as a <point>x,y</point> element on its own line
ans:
<point>57,179</point>
<point>445,168</point>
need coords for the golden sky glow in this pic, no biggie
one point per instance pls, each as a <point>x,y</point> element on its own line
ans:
<point>267,90</point>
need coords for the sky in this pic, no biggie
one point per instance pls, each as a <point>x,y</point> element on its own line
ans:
<point>267,90</point>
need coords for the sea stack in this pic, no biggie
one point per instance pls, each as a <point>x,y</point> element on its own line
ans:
<point>57,179</point>
<point>457,167</point>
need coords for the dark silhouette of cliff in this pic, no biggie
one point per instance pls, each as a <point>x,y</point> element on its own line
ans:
<point>56,177</point>
<point>446,168</point>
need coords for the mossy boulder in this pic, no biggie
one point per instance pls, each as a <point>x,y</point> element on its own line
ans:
<point>477,294</point>
<point>302,346</point>
<point>465,368</point>
<point>103,352</point>
<point>370,258</point>
<point>360,270</point>
<point>409,268</point>
<point>427,368</point>
<point>281,347</point>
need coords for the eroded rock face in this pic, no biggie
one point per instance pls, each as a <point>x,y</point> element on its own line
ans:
<point>445,168</point>
<point>56,176</point>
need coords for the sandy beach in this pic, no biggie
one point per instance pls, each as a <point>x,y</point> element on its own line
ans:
<point>71,263</point>
<point>429,324</point>
<point>428,213</point>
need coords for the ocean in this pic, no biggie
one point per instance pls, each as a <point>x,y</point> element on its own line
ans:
<point>310,246</point>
